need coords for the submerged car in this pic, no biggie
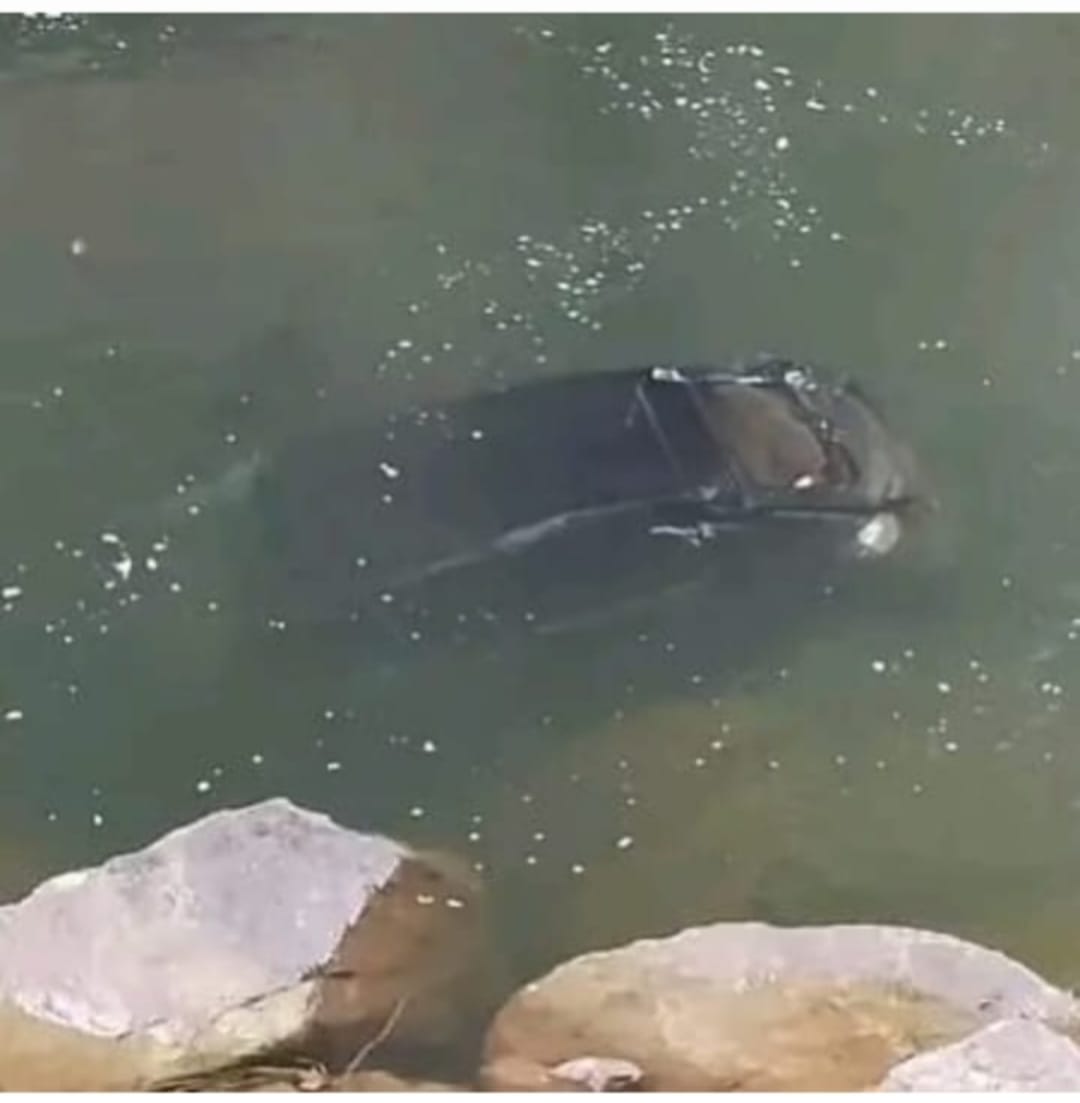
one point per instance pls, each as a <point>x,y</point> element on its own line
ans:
<point>538,501</point>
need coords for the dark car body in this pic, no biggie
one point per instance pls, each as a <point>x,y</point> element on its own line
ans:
<point>534,503</point>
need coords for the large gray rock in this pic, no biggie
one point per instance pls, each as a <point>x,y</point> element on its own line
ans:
<point>1016,1055</point>
<point>750,1006</point>
<point>244,931</point>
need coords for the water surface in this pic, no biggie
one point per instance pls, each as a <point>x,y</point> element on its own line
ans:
<point>222,235</point>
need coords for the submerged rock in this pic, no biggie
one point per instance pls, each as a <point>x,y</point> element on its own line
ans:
<point>753,1007</point>
<point>1016,1055</point>
<point>246,932</point>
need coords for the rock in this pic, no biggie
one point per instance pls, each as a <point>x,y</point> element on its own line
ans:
<point>753,1007</point>
<point>600,1074</point>
<point>516,1074</point>
<point>1015,1055</point>
<point>583,1074</point>
<point>520,1074</point>
<point>244,932</point>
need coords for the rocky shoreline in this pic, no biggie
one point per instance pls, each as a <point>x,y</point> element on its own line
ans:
<point>270,948</point>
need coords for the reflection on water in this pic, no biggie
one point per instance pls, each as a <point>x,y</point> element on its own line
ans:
<point>224,236</point>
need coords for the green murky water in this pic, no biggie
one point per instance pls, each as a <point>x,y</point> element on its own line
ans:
<point>221,234</point>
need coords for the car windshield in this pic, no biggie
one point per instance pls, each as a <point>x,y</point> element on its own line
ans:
<point>776,446</point>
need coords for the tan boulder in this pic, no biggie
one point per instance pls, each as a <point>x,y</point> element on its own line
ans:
<point>746,1006</point>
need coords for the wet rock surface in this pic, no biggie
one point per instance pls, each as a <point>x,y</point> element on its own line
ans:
<point>245,932</point>
<point>745,1006</point>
